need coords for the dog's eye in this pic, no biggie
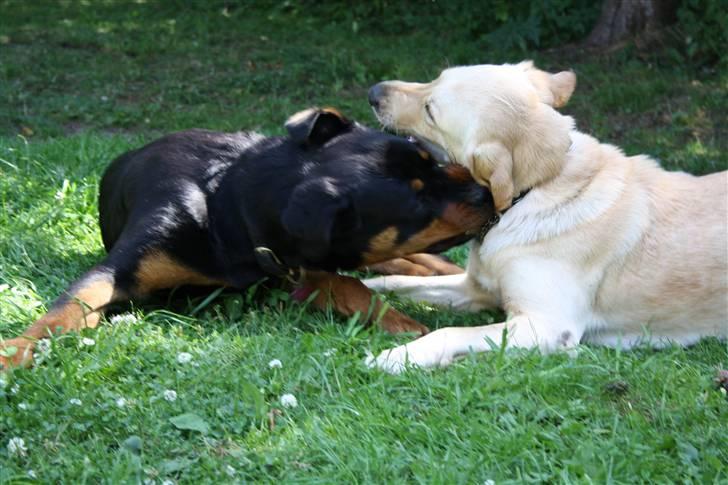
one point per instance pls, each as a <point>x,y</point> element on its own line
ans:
<point>428,110</point>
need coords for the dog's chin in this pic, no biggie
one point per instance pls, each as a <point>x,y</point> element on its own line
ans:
<point>386,121</point>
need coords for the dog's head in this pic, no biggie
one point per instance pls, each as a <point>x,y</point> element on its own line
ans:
<point>366,196</point>
<point>497,120</point>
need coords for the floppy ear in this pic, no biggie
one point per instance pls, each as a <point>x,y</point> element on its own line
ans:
<point>540,150</point>
<point>562,86</point>
<point>313,210</point>
<point>316,126</point>
<point>553,89</point>
<point>492,166</point>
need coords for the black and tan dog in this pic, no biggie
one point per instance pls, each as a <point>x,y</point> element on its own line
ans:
<point>229,209</point>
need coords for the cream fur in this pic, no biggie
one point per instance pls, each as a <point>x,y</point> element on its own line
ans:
<point>605,248</point>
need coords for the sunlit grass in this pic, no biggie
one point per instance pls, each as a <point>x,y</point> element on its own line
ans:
<point>81,85</point>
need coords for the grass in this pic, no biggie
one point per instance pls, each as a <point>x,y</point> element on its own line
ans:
<point>83,82</point>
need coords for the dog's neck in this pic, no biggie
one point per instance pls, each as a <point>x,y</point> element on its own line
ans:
<point>583,160</point>
<point>594,178</point>
<point>493,221</point>
<point>586,161</point>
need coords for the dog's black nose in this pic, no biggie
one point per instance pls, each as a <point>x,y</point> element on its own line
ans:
<point>376,93</point>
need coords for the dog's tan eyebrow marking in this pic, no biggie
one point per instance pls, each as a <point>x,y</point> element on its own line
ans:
<point>417,185</point>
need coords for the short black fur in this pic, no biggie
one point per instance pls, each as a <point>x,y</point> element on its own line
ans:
<point>315,198</point>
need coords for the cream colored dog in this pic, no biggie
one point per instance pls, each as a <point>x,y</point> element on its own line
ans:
<point>604,248</point>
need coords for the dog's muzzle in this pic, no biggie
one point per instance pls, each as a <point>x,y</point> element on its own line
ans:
<point>376,94</point>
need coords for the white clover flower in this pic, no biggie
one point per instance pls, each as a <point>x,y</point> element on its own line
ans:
<point>230,471</point>
<point>289,401</point>
<point>3,382</point>
<point>275,364</point>
<point>43,346</point>
<point>489,482</point>
<point>170,395</point>
<point>16,447</point>
<point>75,401</point>
<point>329,352</point>
<point>15,389</point>
<point>184,357</point>
<point>42,350</point>
<point>87,342</point>
<point>123,319</point>
<point>23,406</point>
<point>31,474</point>
<point>121,402</point>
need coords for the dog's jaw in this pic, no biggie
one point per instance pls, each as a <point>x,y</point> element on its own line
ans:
<point>386,120</point>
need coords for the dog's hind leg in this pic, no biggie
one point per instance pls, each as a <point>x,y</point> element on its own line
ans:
<point>79,307</point>
<point>126,273</point>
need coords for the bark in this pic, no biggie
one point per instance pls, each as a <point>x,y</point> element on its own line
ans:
<point>623,18</point>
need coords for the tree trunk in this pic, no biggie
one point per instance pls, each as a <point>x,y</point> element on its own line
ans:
<point>622,18</point>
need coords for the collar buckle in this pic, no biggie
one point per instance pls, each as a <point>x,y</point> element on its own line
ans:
<point>493,221</point>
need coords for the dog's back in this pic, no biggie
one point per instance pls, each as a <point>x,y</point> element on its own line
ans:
<point>184,166</point>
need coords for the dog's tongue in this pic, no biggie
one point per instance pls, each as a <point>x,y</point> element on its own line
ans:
<point>301,293</point>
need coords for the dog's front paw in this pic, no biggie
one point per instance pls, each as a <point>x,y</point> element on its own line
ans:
<point>420,353</point>
<point>392,361</point>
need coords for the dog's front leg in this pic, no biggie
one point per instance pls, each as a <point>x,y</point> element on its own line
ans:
<point>548,309</point>
<point>437,349</point>
<point>443,346</point>
<point>419,264</point>
<point>349,296</point>
<point>458,291</point>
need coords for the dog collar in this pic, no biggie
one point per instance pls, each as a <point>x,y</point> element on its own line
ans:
<point>493,221</point>
<point>273,265</point>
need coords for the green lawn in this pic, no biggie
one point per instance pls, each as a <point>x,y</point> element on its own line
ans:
<point>80,82</point>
